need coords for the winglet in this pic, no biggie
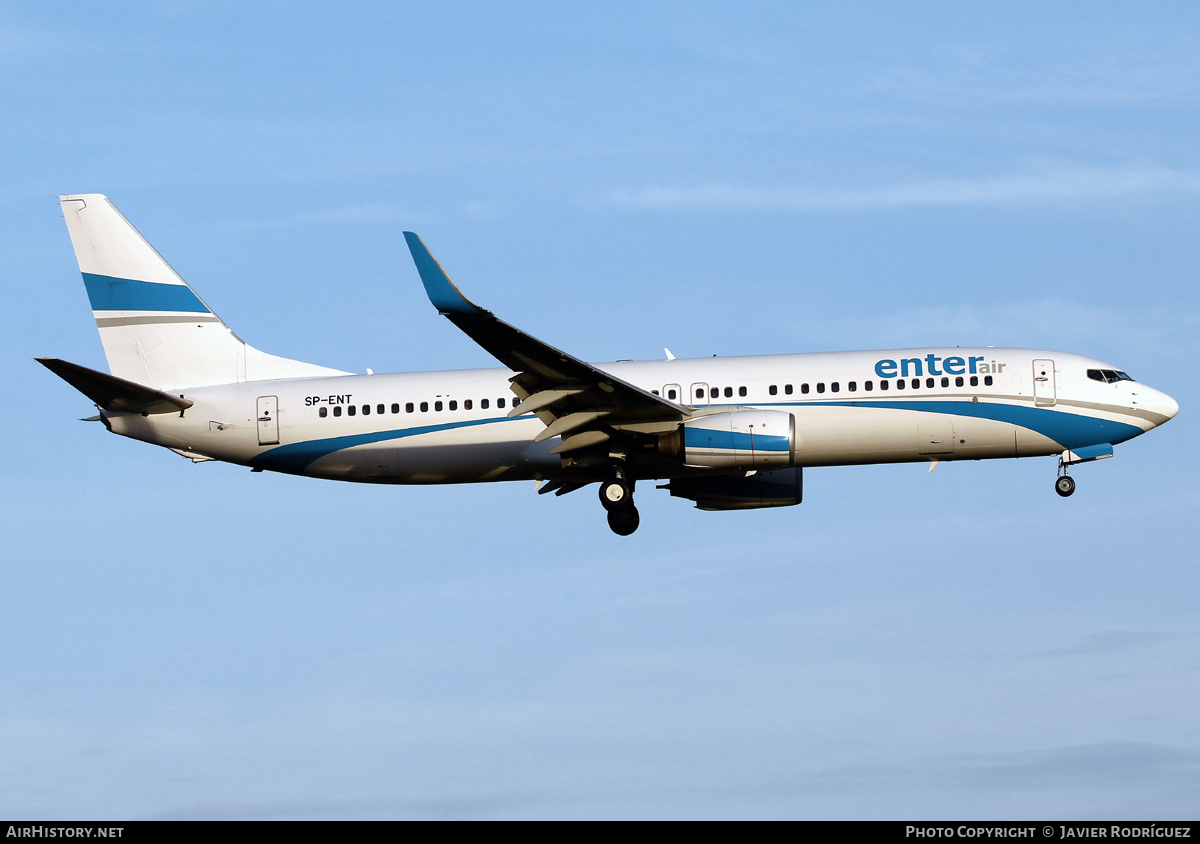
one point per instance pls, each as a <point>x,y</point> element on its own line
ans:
<point>447,298</point>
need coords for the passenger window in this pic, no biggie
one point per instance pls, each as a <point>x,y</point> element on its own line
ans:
<point>395,408</point>
<point>974,380</point>
<point>337,411</point>
<point>787,388</point>
<point>467,404</point>
<point>852,386</point>
<point>700,393</point>
<point>454,405</point>
<point>900,385</point>
<point>958,382</point>
<point>945,382</point>
<point>987,380</point>
<point>916,383</point>
<point>729,392</point>
<point>671,395</point>
<point>499,402</point>
<point>804,388</point>
<point>773,389</point>
<point>741,391</point>
<point>408,408</point>
<point>883,385</point>
<point>869,386</point>
<point>323,412</point>
<point>929,383</point>
<point>835,387</point>
<point>483,403</point>
<point>437,406</point>
<point>366,410</point>
<point>424,407</point>
<point>820,386</point>
<point>516,402</point>
<point>380,408</point>
<point>351,410</point>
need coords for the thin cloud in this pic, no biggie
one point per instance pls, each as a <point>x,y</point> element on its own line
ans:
<point>1047,185</point>
<point>1108,642</point>
<point>1103,766</point>
<point>348,214</point>
<point>1146,68</point>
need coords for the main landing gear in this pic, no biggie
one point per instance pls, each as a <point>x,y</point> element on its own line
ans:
<point>616,495</point>
<point>1065,484</point>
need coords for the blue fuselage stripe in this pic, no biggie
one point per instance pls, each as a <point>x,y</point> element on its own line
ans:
<point>1070,430</point>
<point>107,293</point>
<point>298,456</point>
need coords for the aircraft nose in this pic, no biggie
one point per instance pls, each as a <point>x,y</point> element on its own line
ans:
<point>1164,404</point>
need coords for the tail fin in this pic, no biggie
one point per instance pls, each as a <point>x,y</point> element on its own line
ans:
<point>155,330</point>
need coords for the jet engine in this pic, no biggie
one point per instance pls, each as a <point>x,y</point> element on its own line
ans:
<point>774,488</point>
<point>737,439</point>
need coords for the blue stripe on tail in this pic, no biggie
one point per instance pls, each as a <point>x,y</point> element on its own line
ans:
<point>107,293</point>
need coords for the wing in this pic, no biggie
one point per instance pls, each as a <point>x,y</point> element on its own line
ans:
<point>583,404</point>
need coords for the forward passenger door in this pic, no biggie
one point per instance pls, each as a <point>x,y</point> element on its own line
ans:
<point>1044,394</point>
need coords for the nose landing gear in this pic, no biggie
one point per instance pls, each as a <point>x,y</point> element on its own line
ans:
<point>1065,484</point>
<point>616,495</point>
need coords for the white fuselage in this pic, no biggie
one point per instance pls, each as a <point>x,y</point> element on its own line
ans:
<point>883,406</point>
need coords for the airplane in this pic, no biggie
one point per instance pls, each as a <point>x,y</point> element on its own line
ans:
<point>731,433</point>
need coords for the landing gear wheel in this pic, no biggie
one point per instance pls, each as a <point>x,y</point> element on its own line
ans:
<point>1065,485</point>
<point>615,495</point>
<point>624,520</point>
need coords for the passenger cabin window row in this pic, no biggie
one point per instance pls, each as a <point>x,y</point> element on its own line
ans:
<point>713,392</point>
<point>869,386</point>
<point>1103,375</point>
<point>822,387</point>
<point>410,407</point>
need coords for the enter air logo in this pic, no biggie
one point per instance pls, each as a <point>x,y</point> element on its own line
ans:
<point>932,364</point>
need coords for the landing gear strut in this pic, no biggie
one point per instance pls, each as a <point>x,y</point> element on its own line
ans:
<point>1065,485</point>
<point>616,494</point>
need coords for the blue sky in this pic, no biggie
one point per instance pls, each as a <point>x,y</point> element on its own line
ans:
<point>196,641</point>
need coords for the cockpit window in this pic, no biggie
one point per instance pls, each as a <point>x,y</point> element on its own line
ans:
<point>1109,376</point>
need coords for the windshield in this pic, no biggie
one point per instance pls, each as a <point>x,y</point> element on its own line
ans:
<point>1110,376</point>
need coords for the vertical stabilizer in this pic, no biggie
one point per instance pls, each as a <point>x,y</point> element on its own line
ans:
<point>155,330</point>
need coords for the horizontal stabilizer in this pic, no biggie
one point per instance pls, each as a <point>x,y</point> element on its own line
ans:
<point>112,393</point>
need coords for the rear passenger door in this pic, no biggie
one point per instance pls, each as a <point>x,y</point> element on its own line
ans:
<point>268,420</point>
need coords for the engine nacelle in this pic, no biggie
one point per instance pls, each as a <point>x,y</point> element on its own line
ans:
<point>738,439</point>
<point>775,488</point>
